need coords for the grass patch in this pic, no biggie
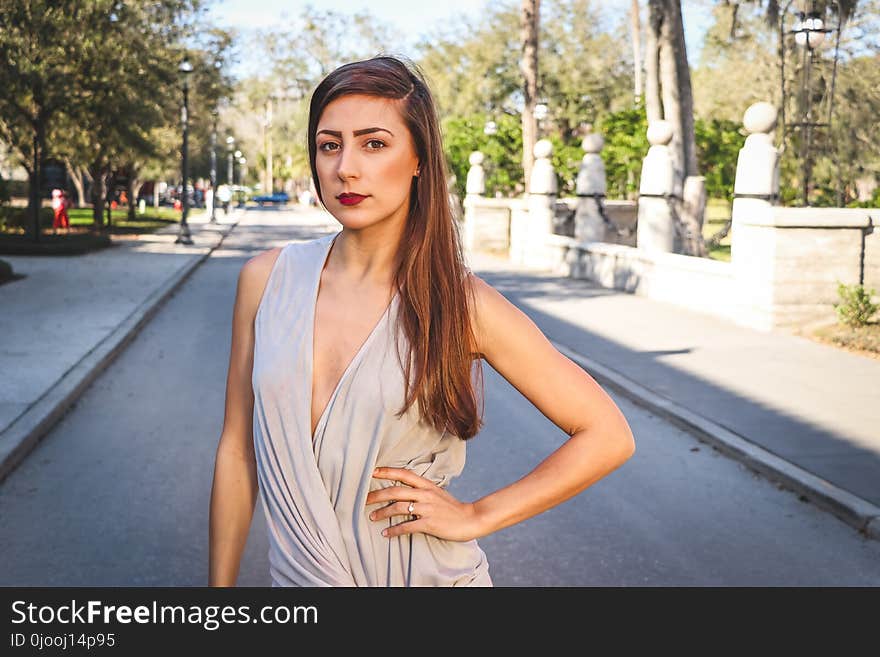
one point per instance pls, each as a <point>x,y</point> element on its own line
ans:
<point>861,339</point>
<point>152,220</point>
<point>16,221</point>
<point>717,214</point>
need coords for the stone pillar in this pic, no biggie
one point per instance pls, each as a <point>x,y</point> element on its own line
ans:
<point>542,206</point>
<point>475,188</point>
<point>756,186</point>
<point>591,187</point>
<point>656,229</point>
<point>755,191</point>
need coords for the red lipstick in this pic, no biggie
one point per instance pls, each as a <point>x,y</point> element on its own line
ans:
<point>350,199</point>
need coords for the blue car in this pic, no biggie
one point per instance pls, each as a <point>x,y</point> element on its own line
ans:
<point>280,198</point>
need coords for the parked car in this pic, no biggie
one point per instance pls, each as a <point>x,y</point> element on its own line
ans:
<point>281,198</point>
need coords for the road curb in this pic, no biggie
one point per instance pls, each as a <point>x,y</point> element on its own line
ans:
<point>31,426</point>
<point>853,510</point>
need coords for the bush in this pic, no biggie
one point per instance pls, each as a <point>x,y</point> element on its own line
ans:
<point>5,193</point>
<point>855,308</point>
<point>15,219</point>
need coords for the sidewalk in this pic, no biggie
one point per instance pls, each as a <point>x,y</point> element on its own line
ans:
<point>69,318</point>
<point>805,414</point>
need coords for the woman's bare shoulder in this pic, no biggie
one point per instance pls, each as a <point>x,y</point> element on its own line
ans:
<point>254,276</point>
<point>482,294</point>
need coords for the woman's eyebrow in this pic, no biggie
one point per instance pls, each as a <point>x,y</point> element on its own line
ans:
<point>357,133</point>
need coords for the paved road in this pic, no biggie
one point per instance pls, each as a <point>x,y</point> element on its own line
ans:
<point>118,492</point>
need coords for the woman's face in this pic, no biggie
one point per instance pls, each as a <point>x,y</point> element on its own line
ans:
<point>365,160</point>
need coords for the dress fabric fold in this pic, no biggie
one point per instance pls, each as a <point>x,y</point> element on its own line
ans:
<point>314,493</point>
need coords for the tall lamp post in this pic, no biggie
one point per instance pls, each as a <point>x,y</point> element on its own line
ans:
<point>213,174</point>
<point>230,147</point>
<point>237,158</point>
<point>815,85</point>
<point>183,235</point>
<point>242,175</point>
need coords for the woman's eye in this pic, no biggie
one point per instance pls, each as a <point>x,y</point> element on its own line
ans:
<point>375,141</point>
<point>326,146</point>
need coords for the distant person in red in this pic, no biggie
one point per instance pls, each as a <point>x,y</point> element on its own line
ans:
<point>59,205</point>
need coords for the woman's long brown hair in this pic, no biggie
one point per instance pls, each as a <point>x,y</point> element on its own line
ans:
<point>435,293</point>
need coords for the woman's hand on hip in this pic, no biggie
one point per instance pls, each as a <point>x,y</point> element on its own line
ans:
<point>435,510</point>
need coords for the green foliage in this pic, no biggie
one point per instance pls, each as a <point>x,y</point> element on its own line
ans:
<point>503,151</point>
<point>626,144</point>
<point>718,145</point>
<point>855,308</point>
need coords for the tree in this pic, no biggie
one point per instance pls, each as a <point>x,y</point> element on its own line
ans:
<point>529,20</point>
<point>473,71</point>
<point>35,68</point>
<point>668,82</point>
<point>636,37</point>
<point>668,96</point>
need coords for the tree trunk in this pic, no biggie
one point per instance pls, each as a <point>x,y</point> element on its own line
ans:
<point>669,96</point>
<point>109,187</point>
<point>35,200</point>
<point>653,104</point>
<point>675,86</point>
<point>685,91</point>
<point>134,188</point>
<point>76,176</point>
<point>529,21</point>
<point>99,191</point>
<point>693,208</point>
<point>635,33</point>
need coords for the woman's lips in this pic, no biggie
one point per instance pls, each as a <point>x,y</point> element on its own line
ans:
<point>350,199</point>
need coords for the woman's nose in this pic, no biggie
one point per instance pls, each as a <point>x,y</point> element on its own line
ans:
<point>347,166</point>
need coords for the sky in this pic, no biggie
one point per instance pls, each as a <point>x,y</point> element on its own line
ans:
<point>415,18</point>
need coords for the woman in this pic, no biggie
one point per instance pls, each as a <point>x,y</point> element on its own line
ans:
<point>350,392</point>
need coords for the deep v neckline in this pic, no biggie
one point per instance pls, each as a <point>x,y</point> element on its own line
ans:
<point>311,349</point>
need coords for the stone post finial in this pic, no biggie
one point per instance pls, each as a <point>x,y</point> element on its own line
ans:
<point>760,118</point>
<point>543,180</point>
<point>476,177</point>
<point>757,167</point>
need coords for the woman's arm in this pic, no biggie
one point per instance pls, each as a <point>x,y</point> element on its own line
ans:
<point>235,490</point>
<point>600,439</point>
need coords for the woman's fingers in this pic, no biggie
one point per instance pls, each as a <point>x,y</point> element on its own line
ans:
<point>399,509</point>
<point>402,474</point>
<point>394,493</point>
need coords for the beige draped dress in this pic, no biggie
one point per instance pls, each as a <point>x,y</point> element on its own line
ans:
<point>314,488</point>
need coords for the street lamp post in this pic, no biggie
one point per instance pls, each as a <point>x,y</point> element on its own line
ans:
<point>237,158</point>
<point>183,235</point>
<point>809,32</point>
<point>230,147</point>
<point>242,174</point>
<point>213,219</point>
